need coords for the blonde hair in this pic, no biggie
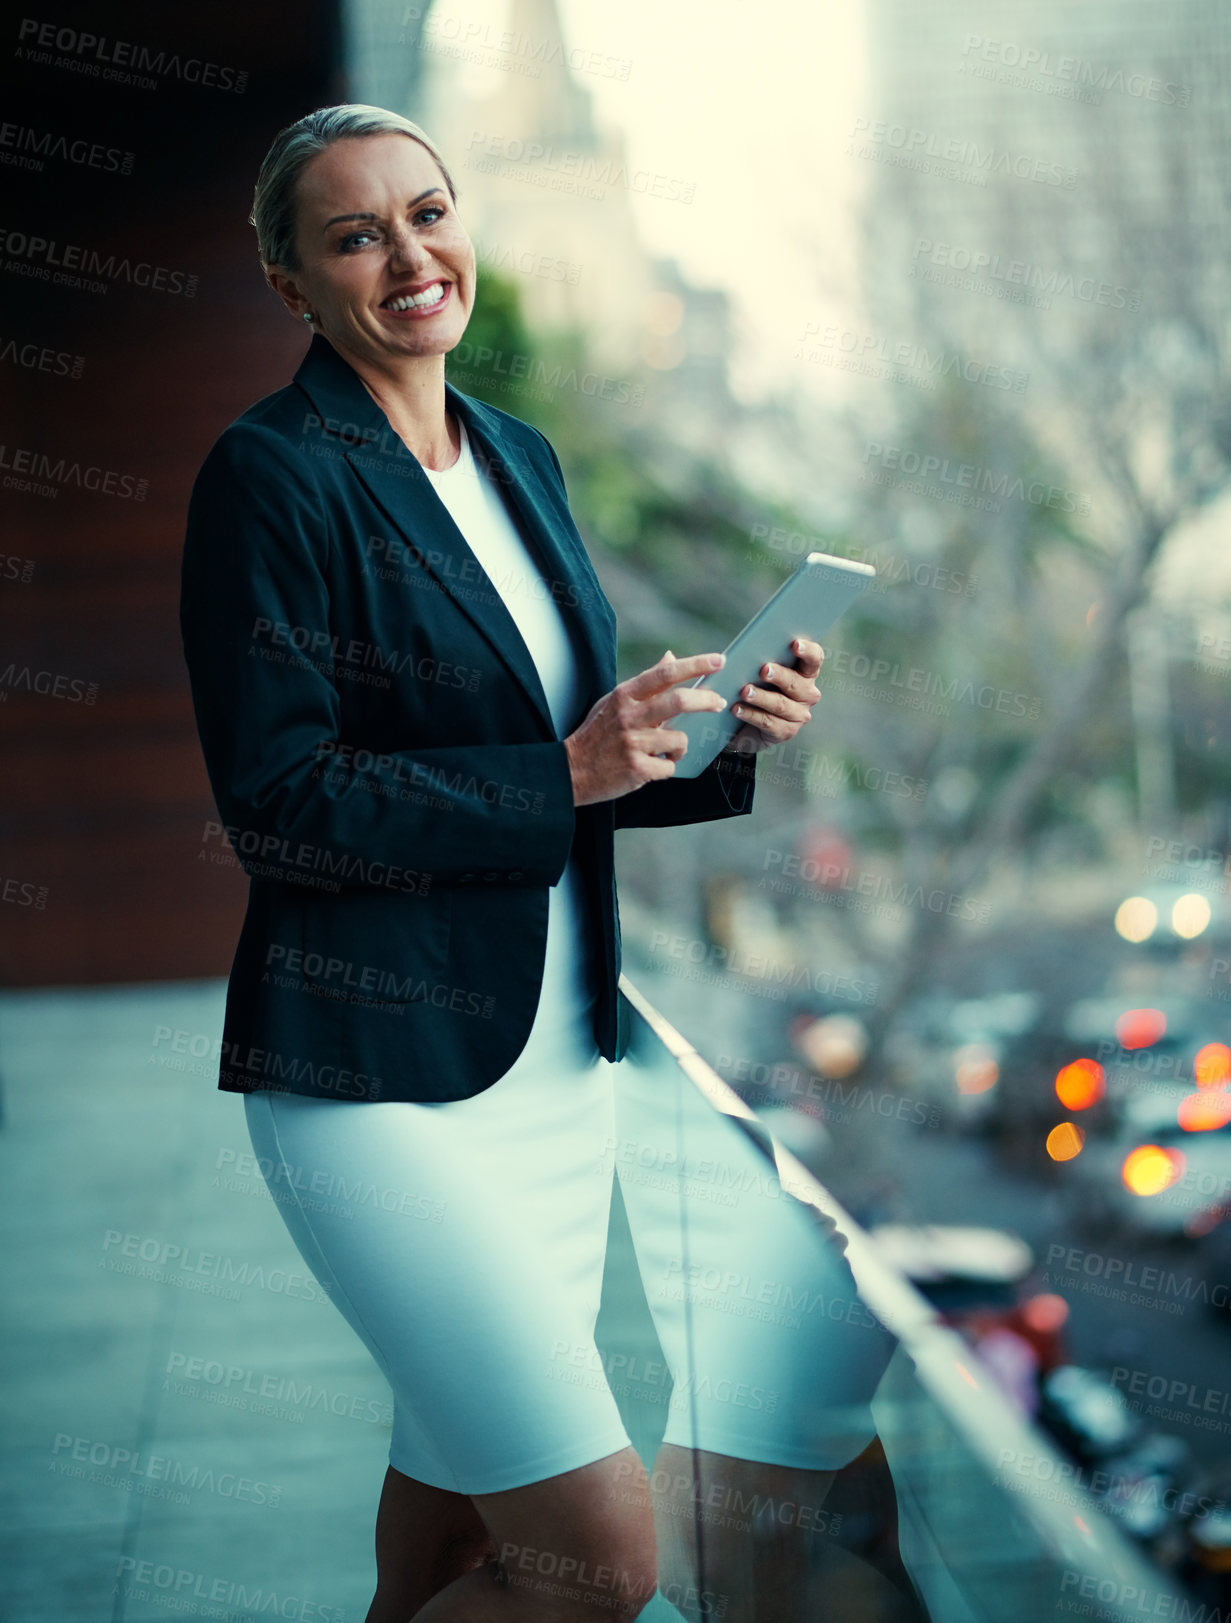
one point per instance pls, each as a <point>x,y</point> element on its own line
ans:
<point>274,200</point>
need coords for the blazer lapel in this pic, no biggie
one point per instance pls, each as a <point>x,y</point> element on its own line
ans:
<point>346,421</point>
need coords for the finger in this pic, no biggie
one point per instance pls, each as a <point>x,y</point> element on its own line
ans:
<point>810,656</point>
<point>796,686</point>
<point>771,729</point>
<point>669,670</point>
<point>655,741</point>
<point>754,702</point>
<point>677,702</point>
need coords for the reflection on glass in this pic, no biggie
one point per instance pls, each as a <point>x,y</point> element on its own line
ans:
<point>819,1444</point>
<point>753,1412</point>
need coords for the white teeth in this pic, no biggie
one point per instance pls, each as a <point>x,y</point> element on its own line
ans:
<point>416,301</point>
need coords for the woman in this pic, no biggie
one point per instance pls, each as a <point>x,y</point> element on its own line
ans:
<point>403,672</point>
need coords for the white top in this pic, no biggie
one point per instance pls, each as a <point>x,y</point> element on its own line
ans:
<point>565,1011</point>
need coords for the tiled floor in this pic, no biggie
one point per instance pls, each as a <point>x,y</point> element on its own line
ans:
<point>130,1491</point>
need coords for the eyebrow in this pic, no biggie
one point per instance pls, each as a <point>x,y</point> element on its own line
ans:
<point>339,219</point>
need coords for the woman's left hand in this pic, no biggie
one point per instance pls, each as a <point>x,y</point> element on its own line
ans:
<point>775,713</point>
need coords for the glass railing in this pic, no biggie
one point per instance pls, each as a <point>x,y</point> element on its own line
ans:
<point>957,1509</point>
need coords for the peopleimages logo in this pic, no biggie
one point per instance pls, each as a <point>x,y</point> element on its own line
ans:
<point>842,886</point>
<point>118,1466</point>
<point>900,361</point>
<point>469,359</point>
<point>36,256</point>
<point>475,41</point>
<point>35,357</point>
<point>971,476</point>
<point>511,156</point>
<point>1020,272</point>
<point>922,685</point>
<point>16,678</point>
<point>175,1588</point>
<point>41,472</point>
<point>710,963</point>
<point>239,1386</point>
<point>1183,1399</point>
<point>28,148</point>
<point>1031,59</point>
<point>118,61</point>
<point>971,161</point>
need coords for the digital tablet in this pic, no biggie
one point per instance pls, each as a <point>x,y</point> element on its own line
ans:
<point>820,589</point>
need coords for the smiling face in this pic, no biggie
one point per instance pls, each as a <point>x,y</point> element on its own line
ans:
<point>385,264</point>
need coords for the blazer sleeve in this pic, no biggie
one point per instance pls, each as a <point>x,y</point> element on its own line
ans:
<point>298,805</point>
<point>724,789</point>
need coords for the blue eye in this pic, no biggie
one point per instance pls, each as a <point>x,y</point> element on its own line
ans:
<point>426,216</point>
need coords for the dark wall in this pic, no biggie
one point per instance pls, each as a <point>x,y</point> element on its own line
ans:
<point>111,394</point>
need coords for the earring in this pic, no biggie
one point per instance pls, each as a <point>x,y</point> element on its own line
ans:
<point>308,316</point>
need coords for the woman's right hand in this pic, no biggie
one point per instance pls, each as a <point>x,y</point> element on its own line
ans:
<point>623,742</point>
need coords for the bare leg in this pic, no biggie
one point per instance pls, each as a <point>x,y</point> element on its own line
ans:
<point>738,1539</point>
<point>425,1538</point>
<point>578,1545</point>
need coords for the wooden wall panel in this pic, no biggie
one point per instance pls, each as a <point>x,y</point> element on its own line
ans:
<point>103,871</point>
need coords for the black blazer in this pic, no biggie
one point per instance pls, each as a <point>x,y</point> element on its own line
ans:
<point>382,754</point>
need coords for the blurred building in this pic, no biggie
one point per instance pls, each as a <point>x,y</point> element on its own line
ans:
<point>546,192</point>
<point>1047,196</point>
<point>539,185</point>
<point>987,117</point>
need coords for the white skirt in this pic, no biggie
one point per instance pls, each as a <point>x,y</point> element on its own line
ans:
<point>464,1243</point>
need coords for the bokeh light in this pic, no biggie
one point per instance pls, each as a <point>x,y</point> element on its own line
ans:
<point>1080,1085</point>
<point>1149,1169</point>
<point>1205,1111</point>
<point>1190,915</point>
<point>834,1045</point>
<point>1138,1028</point>
<point>975,1068</point>
<point>1065,1141</point>
<point>1206,1221</point>
<point>1136,918</point>
<point>1212,1066</point>
<point>1045,1313</point>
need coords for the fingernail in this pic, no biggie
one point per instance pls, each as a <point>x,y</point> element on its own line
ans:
<point>769,670</point>
<point>717,661</point>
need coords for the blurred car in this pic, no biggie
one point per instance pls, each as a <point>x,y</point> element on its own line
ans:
<point>1127,1075</point>
<point>1200,1547</point>
<point>1088,1416</point>
<point>1134,1474</point>
<point>1211,1229</point>
<point>951,1052</point>
<point>978,1281</point>
<point>1146,1048</point>
<point>1153,1177</point>
<point>1166,918</point>
<point>959,1269</point>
